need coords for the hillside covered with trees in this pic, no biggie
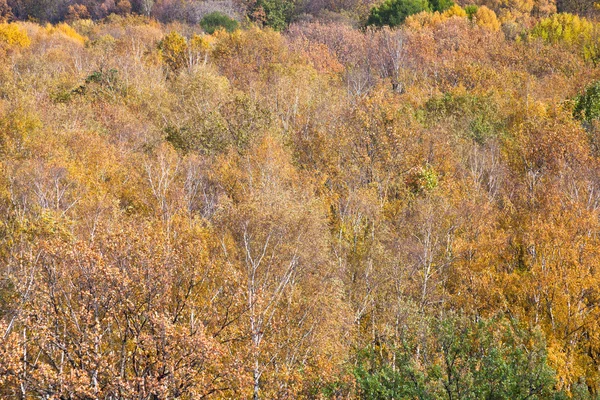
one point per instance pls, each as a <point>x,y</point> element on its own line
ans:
<point>287,199</point>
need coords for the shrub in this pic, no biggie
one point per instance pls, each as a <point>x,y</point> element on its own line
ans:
<point>587,110</point>
<point>424,19</point>
<point>217,20</point>
<point>423,179</point>
<point>430,19</point>
<point>123,7</point>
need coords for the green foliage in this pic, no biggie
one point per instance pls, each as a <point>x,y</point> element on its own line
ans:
<point>471,10</point>
<point>231,124</point>
<point>107,78</point>
<point>37,10</point>
<point>440,5</point>
<point>394,12</point>
<point>587,105</point>
<point>462,359</point>
<point>378,377</point>
<point>101,84</point>
<point>587,110</point>
<point>8,295</point>
<point>275,14</point>
<point>216,20</point>
<point>475,117</point>
<point>205,135</point>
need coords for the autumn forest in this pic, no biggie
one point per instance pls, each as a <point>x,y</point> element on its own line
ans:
<point>299,199</point>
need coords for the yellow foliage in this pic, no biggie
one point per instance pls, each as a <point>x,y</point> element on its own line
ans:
<point>486,18</point>
<point>12,35</point>
<point>455,11</point>
<point>173,49</point>
<point>425,19</point>
<point>201,42</point>
<point>85,26</point>
<point>200,47</point>
<point>430,19</point>
<point>571,30</point>
<point>563,27</point>
<point>66,31</point>
<point>510,10</point>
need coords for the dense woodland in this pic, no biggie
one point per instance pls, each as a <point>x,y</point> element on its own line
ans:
<point>321,199</point>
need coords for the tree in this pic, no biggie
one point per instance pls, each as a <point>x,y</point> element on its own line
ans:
<point>277,227</point>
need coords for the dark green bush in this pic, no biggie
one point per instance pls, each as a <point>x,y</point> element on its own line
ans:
<point>275,14</point>
<point>458,359</point>
<point>587,110</point>
<point>394,12</point>
<point>217,20</point>
<point>587,105</point>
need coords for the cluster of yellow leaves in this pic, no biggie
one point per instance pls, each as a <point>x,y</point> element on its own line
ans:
<point>484,17</point>
<point>65,30</point>
<point>570,30</point>
<point>177,52</point>
<point>564,28</point>
<point>13,35</point>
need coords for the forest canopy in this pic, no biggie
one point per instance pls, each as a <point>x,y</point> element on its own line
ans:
<point>278,199</point>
